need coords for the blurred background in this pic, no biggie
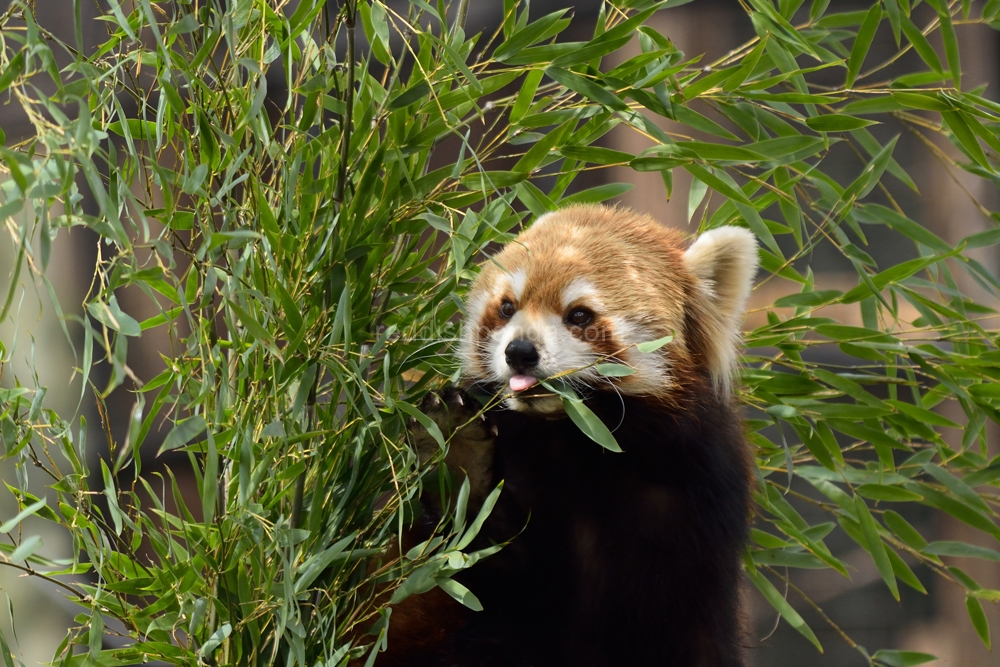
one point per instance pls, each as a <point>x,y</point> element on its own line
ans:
<point>866,613</point>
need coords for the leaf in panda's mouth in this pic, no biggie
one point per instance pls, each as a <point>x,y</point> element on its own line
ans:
<point>590,424</point>
<point>584,418</point>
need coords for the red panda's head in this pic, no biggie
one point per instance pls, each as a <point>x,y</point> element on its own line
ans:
<point>585,284</point>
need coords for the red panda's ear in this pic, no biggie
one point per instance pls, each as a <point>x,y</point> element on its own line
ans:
<point>725,261</point>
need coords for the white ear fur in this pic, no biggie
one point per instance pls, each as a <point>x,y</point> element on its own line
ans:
<point>725,261</point>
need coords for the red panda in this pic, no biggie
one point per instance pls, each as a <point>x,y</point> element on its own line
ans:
<point>628,558</point>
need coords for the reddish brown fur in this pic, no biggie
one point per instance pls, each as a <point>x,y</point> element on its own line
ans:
<point>638,270</point>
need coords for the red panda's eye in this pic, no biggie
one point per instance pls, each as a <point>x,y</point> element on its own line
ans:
<point>580,317</point>
<point>507,310</point>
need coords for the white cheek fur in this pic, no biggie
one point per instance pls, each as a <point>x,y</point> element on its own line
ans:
<point>652,368</point>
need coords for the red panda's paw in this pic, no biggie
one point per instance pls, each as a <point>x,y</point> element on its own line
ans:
<point>460,418</point>
<point>469,434</point>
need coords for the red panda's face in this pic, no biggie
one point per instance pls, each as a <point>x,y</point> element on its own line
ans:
<point>584,286</point>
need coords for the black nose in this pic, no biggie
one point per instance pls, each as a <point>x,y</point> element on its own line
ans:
<point>521,354</point>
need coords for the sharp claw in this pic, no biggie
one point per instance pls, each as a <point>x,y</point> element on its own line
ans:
<point>494,431</point>
<point>459,400</point>
<point>435,400</point>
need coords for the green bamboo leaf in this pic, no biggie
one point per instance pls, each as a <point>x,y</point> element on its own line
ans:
<point>598,194</point>
<point>215,640</point>
<point>950,41</point>
<point>958,487</point>
<point>799,147</point>
<point>544,28</point>
<point>955,507</point>
<point>411,95</point>
<point>314,566</point>
<point>586,88</point>
<point>112,316</point>
<point>182,432</point>
<point>111,493</point>
<point>961,550</point>
<point>966,138</point>
<point>902,658</point>
<point>695,120</point>
<point>746,68</point>
<point>653,345</point>
<point>871,174</point>
<point>904,573</point>
<point>30,510</point>
<point>721,153</point>
<point>614,370</point>
<point>539,154</point>
<point>904,530</point>
<point>590,424</point>
<point>878,214</point>
<point>978,618</point>
<point>893,275</point>
<point>477,523</point>
<point>892,9</point>
<point>255,329</point>
<point>15,68</point>
<point>781,605</point>
<point>723,183</point>
<point>27,548</point>
<point>983,239</point>
<point>779,26</point>
<point>593,49</point>
<point>792,98</point>
<point>836,122</point>
<point>863,42</point>
<point>696,195</point>
<point>537,201</point>
<point>925,101</point>
<point>808,299</point>
<point>96,632</point>
<point>596,154</point>
<point>888,493</point>
<point>526,96</point>
<point>460,593</point>
<point>873,544</point>
<point>646,163</point>
<point>424,421</point>
<point>920,43</point>
<point>543,54</point>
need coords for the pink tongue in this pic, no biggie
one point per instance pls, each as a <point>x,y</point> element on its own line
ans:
<point>522,382</point>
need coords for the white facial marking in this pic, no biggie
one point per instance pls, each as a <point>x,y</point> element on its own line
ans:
<point>578,289</point>
<point>517,280</point>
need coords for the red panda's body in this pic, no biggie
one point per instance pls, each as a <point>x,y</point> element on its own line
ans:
<point>628,558</point>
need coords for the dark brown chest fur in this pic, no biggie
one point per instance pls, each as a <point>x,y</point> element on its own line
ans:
<point>615,558</point>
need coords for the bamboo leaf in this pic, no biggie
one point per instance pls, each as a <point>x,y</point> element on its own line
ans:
<point>586,88</point>
<point>873,544</point>
<point>781,605</point>
<point>862,43</point>
<point>590,424</point>
<point>978,618</point>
